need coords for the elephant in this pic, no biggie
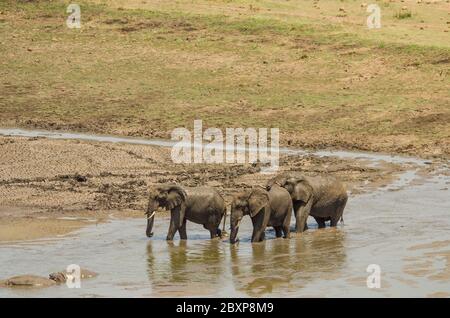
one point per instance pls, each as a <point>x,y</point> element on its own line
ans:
<point>324,198</point>
<point>202,205</point>
<point>266,208</point>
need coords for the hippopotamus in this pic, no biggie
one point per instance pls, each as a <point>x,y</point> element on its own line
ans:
<point>27,281</point>
<point>39,281</point>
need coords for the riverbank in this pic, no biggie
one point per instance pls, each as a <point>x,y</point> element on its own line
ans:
<point>50,187</point>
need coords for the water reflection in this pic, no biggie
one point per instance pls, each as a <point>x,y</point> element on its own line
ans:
<point>184,267</point>
<point>328,262</point>
<point>276,266</point>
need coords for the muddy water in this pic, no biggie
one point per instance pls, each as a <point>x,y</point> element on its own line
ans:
<point>406,232</point>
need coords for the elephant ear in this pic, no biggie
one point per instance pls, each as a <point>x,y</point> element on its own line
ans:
<point>280,179</point>
<point>302,190</point>
<point>175,197</point>
<point>153,192</point>
<point>258,199</point>
<point>152,204</point>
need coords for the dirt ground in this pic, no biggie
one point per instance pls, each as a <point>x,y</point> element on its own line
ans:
<point>50,187</point>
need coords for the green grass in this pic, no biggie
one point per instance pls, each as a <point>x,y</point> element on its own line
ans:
<point>145,72</point>
<point>403,14</point>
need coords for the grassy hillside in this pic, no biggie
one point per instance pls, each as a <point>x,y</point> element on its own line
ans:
<point>311,68</point>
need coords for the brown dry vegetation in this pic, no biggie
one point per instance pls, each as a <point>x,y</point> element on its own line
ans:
<point>309,68</point>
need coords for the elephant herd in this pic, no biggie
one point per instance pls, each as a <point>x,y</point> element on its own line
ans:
<point>323,198</point>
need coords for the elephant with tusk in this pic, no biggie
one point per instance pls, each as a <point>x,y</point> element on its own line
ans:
<point>324,198</point>
<point>202,205</point>
<point>149,217</point>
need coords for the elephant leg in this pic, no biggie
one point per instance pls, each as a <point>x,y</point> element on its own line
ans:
<point>260,222</point>
<point>262,236</point>
<point>320,222</point>
<point>286,231</point>
<point>301,215</point>
<point>334,221</point>
<point>224,216</point>
<point>176,221</point>
<point>296,206</point>
<point>212,224</point>
<point>207,227</point>
<point>338,215</point>
<point>217,225</point>
<point>299,223</point>
<point>286,227</point>
<point>172,230</point>
<point>258,235</point>
<point>278,231</point>
<point>182,231</point>
<point>213,229</point>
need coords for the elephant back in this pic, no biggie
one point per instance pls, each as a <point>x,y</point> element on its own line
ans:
<point>327,190</point>
<point>206,196</point>
<point>279,197</point>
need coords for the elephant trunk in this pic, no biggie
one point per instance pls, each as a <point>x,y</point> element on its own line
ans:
<point>149,229</point>
<point>151,210</point>
<point>233,235</point>
<point>234,232</point>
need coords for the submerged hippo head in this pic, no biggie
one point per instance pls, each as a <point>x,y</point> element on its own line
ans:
<point>62,277</point>
<point>59,277</point>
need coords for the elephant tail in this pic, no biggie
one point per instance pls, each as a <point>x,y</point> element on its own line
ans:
<point>342,220</point>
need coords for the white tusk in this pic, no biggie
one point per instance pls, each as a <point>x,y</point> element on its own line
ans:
<point>149,217</point>
<point>239,223</point>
